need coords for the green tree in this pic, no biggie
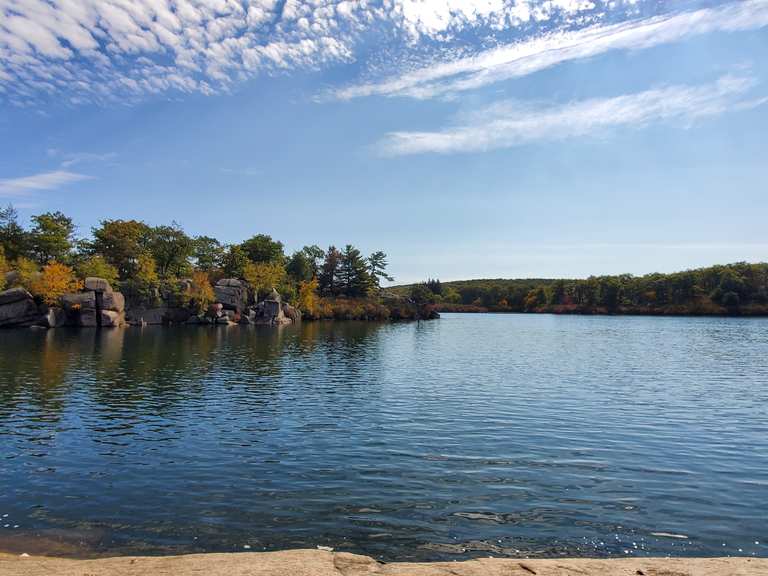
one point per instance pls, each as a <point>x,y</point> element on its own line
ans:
<point>121,242</point>
<point>300,267</point>
<point>171,248</point>
<point>261,248</point>
<point>421,294</point>
<point>51,237</point>
<point>13,238</point>
<point>316,255</point>
<point>4,268</point>
<point>377,268</point>
<point>234,262</point>
<point>355,279</point>
<point>329,281</point>
<point>208,253</point>
<point>97,266</point>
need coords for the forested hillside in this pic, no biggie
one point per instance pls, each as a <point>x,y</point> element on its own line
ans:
<point>739,288</point>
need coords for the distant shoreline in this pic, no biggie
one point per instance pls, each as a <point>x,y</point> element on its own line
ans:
<point>328,563</point>
<point>741,313</point>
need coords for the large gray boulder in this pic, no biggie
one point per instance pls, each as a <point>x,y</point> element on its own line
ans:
<point>18,308</point>
<point>114,301</point>
<point>97,284</point>
<point>231,293</point>
<point>112,319</point>
<point>79,300</point>
<point>14,295</point>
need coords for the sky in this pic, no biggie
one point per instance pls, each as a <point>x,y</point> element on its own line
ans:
<point>465,138</point>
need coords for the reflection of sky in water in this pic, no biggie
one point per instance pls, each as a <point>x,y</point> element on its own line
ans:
<point>472,435</point>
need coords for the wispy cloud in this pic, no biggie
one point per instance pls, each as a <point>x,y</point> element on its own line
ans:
<point>538,53</point>
<point>119,51</point>
<point>25,185</point>
<point>511,123</point>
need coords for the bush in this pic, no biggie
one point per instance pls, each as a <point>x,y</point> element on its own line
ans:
<point>97,266</point>
<point>53,282</point>
<point>200,292</point>
<point>3,268</point>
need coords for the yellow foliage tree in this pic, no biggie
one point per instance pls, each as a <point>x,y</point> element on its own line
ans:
<point>3,268</point>
<point>307,300</point>
<point>200,292</point>
<point>53,282</point>
<point>263,276</point>
<point>27,271</point>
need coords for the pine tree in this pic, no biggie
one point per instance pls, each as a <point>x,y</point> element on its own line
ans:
<point>355,279</point>
<point>377,268</point>
<point>329,272</point>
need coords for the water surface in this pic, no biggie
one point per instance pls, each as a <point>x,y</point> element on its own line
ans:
<point>472,435</point>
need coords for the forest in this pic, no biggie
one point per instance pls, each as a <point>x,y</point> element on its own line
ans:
<point>730,289</point>
<point>49,259</point>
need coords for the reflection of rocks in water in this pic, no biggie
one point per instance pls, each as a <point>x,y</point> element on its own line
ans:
<point>71,542</point>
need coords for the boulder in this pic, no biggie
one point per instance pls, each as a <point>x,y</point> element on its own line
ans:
<point>215,310</point>
<point>87,318</point>
<point>97,284</point>
<point>224,320</point>
<point>114,301</point>
<point>144,316</point>
<point>112,319</point>
<point>231,282</point>
<point>293,314</point>
<point>14,295</point>
<point>231,297</point>
<point>79,300</point>
<point>19,313</point>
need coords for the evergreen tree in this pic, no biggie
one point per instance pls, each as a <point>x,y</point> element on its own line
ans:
<point>355,279</point>
<point>377,268</point>
<point>328,279</point>
<point>13,238</point>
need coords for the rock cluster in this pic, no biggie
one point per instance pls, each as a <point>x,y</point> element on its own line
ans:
<point>96,306</point>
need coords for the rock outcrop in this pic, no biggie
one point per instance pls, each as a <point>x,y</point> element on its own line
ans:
<point>270,310</point>
<point>18,308</point>
<point>232,294</point>
<point>97,306</point>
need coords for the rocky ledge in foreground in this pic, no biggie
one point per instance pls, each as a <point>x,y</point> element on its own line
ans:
<point>323,563</point>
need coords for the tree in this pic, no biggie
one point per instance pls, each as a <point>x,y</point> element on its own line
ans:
<point>171,248</point>
<point>300,267</point>
<point>355,279</point>
<point>208,253</point>
<point>3,267</point>
<point>13,238</point>
<point>26,270</point>
<point>145,283</point>
<point>263,276</point>
<point>316,255</point>
<point>261,248</point>
<point>234,262</point>
<point>53,282</point>
<point>421,294</point>
<point>97,266</point>
<point>51,237</point>
<point>307,301</point>
<point>200,292</point>
<point>121,242</point>
<point>377,268</point>
<point>329,282</point>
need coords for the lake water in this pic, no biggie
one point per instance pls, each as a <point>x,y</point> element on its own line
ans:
<point>473,435</point>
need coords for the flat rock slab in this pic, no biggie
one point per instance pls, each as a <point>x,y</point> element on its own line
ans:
<point>322,563</point>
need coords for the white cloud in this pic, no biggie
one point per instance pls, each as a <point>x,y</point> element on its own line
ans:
<point>538,53</point>
<point>119,50</point>
<point>44,181</point>
<point>510,123</point>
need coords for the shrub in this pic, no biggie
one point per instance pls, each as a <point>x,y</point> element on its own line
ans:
<point>27,272</point>
<point>3,268</point>
<point>307,301</point>
<point>97,266</point>
<point>200,292</point>
<point>53,282</point>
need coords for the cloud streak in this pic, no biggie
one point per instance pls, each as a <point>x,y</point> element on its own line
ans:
<point>510,123</point>
<point>14,187</point>
<point>538,53</point>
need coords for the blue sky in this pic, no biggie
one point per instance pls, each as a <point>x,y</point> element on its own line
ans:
<point>467,139</point>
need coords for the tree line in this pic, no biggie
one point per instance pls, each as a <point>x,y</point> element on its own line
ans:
<point>147,261</point>
<point>740,288</point>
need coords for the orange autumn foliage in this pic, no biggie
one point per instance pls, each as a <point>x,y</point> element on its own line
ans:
<point>53,282</point>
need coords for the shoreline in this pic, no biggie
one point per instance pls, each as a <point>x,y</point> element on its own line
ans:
<point>304,562</point>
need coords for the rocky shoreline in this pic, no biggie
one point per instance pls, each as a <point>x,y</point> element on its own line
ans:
<point>328,563</point>
<point>98,305</point>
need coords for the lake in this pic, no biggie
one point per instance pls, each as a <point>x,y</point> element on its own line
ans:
<point>472,435</point>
